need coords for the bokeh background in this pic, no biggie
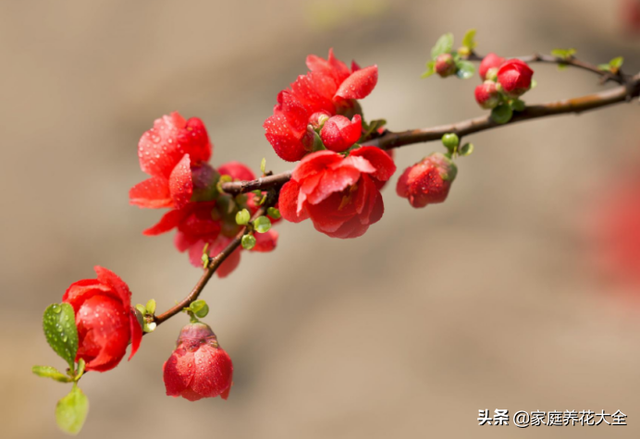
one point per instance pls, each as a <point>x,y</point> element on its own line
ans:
<point>495,299</point>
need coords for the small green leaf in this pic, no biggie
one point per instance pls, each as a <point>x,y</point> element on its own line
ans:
<point>262,224</point>
<point>469,39</point>
<point>274,213</point>
<point>502,114</point>
<point>518,105</point>
<point>564,53</point>
<point>226,178</point>
<point>604,67</point>
<point>199,308</point>
<point>243,217</point>
<point>465,69</point>
<point>72,410</point>
<point>431,69</point>
<point>51,372</point>
<point>616,63</point>
<point>59,326</point>
<point>248,242</point>
<point>263,165</point>
<point>443,45</point>
<point>143,309</point>
<point>534,84</point>
<point>465,149</point>
<point>151,306</point>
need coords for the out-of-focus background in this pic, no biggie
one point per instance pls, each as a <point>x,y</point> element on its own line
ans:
<point>495,299</point>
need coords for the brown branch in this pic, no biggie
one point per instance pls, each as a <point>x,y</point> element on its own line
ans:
<point>390,139</point>
<point>214,263</point>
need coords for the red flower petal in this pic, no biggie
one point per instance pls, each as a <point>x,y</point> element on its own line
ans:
<point>178,371</point>
<point>266,242</point>
<point>285,141</point>
<point>315,163</point>
<point>339,133</point>
<point>136,333</point>
<point>214,371</point>
<point>81,290</point>
<point>379,159</point>
<point>288,202</point>
<point>109,278</point>
<point>180,182</point>
<point>237,171</point>
<point>168,221</point>
<point>152,193</point>
<point>359,84</point>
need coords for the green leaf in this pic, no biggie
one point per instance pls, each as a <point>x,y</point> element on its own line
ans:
<point>465,149</point>
<point>604,67</point>
<point>262,224</point>
<point>431,69</point>
<point>563,53</point>
<point>243,217</point>
<point>469,39</point>
<point>465,69</point>
<point>51,372</point>
<point>274,213</point>
<point>518,105</point>
<point>443,45</point>
<point>263,165</point>
<point>59,326</point>
<point>72,410</point>
<point>151,306</point>
<point>199,308</point>
<point>534,84</point>
<point>616,63</point>
<point>502,114</point>
<point>248,242</point>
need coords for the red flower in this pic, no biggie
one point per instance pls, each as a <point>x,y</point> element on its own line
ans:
<point>490,62</point>
<point>487,95</point>
<point>168,152</point>
<point>341,195</point>
<point>428,181</point>
<point>339,133</point>
<point>445,65</point>
<point>198,368</point>
<point>105,320</point>
<point>515,77</point>
<point>329,88</point>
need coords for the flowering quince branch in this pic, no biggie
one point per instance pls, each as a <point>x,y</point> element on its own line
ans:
<point>344,161</point>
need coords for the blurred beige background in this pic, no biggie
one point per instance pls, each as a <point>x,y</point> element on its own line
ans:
<point>491,300</point>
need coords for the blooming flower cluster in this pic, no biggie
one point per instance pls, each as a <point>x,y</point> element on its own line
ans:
<point>175,153</point>
<point>318,120</point>
<point>504,81</point>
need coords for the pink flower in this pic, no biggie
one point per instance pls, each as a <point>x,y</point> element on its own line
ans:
<point>198,368</point>
<point>329,88</point>
<point>339,133</point>
<point>490,62</point>
<point>428,181</point>
<point>105,320</point>
<point>341,195</point>
<point>515,77</point>
<point>168,152</point>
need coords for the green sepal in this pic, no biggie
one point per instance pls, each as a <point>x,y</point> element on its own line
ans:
<point>465,149</point>
<point>564,53</point>
<point>151,306</point>
<point>262,224</point>
<point>443,45</point>
<point>72,410</point>
<point>372,127</point>
<point>59,326</point>
<point>517,105</point>
<point>502,114</point>
<point>263,165</point>
<point>248,242</point>
<point>80,371</point>
<point>466,69</point>
<point>51,372</point>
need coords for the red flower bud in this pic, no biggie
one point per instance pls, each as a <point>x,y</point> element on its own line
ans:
<point>340,133</point>
<point>427,182</point>
<point>105,320</point>
<point>198,368</point>
<point>487,95</point>
<point>445,65</point>
<point>515,77</point>
<point>491,61</point>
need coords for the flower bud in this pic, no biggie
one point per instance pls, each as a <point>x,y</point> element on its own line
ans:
<point>515,77</point>
<point>318,119</point>
<point>205,179</point>
<point>487,95</point>
<point>445,65</point>
<point>490,65</point>
<point>340,133</point>
<point>198,367</point>
<point>427,182</point>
